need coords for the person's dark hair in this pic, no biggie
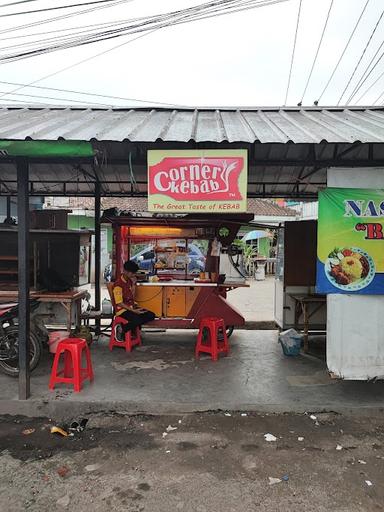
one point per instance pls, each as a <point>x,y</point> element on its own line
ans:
<point>131,266</point>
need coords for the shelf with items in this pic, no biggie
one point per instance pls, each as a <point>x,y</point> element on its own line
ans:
<point>9,271</point>
<point>56,259</point>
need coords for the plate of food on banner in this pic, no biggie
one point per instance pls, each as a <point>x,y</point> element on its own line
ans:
<point>349,268</point>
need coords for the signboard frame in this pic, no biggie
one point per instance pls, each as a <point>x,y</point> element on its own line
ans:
<point>350,247</point>
<point>198,181</point>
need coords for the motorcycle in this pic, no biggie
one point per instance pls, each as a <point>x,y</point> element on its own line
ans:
<point>107,274</point>
<point>9,338</point>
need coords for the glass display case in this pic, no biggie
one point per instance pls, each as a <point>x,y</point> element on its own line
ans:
<point>175,257</point>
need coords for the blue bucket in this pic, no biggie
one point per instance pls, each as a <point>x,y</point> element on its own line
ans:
<point>291,345</point>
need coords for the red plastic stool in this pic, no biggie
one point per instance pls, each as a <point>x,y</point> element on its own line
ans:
<point>73,373</point>
<point>212,344</point>
<point>130,340</point>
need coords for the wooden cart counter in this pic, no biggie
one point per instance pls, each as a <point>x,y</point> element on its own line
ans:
<point>182,299</point>
<point>176,282</point>
<point>198,284</point>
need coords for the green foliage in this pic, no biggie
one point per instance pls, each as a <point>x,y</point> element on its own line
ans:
<point>249,253</point>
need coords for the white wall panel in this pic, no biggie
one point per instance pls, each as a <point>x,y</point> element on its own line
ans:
<point>355,328</point>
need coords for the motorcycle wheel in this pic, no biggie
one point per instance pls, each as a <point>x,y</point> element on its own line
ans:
<point>11,366</point>
<point>229,330</point>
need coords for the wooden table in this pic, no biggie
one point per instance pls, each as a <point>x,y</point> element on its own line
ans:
<point>70,301</point>
<point>302,307</point>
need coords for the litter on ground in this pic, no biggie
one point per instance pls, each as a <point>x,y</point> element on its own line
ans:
<point>28,431</point>
<point>59,430</point>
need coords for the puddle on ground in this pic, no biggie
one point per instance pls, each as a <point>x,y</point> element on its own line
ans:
<point>155,364</point>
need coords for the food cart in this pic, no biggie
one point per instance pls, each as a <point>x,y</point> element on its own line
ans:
<point>170,282</point>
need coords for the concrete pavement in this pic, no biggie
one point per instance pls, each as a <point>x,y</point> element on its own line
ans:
<point>163,376</point>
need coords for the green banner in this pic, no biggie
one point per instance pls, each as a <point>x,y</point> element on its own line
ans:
<point>350,250</point>
<point>48,149</point>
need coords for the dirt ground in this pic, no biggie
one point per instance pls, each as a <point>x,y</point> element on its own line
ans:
<point>199,462</point>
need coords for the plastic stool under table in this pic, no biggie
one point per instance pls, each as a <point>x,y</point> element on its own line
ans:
<point>213,326</point>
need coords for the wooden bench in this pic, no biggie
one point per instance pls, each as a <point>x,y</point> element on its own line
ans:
<point>95,315</point>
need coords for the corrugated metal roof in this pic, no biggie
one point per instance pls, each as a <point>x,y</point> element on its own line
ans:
<point>266,125</point>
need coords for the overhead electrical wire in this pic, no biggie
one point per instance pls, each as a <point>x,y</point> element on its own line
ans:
<point>56,31</point>
<point>94,25</point>
<point>64,16</point>
<point>367,72</point>
<point>293,52</point>
<point>21,13</point>
<point>117,2</point>
<point>76,64</point>
<point>95,103</point>
<point>380,97</point>
<point>59,99</point>
<point>83,93</point>
<point>317,53</point>
<point>370,87</point>
<point>152,23</point>
<point>75,30</point>
<point>361,57</point>
<point>196,13</point>
<point>183,15</point>
<point>17,3</point>
<point>63,40</point>
<point>32,102</point>
<point>195,8</point>
<point>342,53</point>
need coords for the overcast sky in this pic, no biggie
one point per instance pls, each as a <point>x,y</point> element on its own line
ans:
<point>241,59</point>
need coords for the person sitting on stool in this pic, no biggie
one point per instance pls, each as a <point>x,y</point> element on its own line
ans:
<point>124,298</point>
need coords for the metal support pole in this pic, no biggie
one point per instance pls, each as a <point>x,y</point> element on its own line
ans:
<point>23,269</point>
<point>97,253</point>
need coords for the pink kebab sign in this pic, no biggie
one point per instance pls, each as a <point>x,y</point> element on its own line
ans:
<point>197,180</point>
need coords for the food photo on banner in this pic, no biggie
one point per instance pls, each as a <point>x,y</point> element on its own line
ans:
<point>350,246</point>
<point>198,181</point>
